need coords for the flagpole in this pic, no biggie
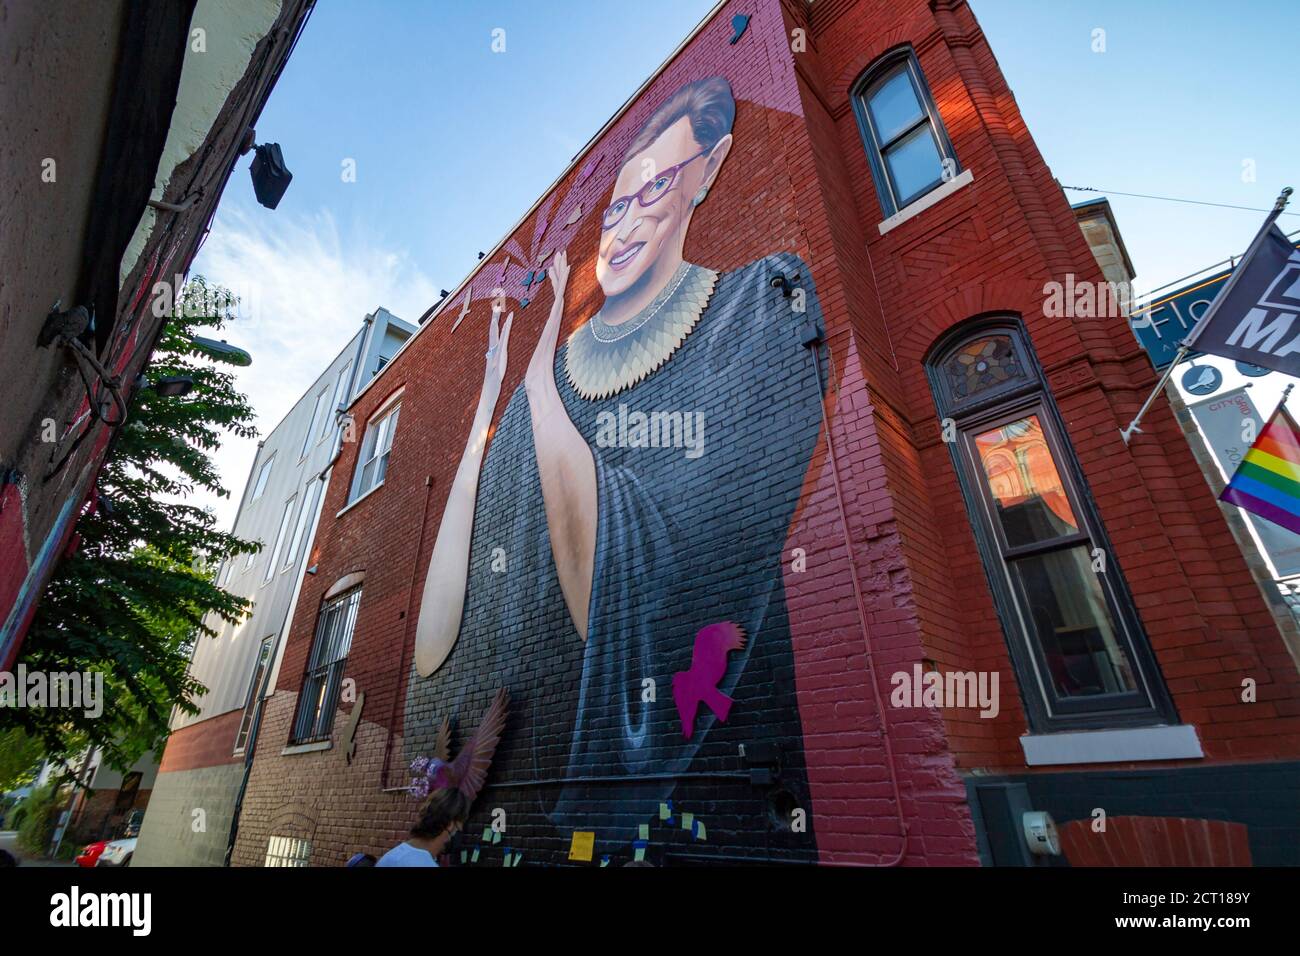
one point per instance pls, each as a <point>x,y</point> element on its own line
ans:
<point>1186,344</point>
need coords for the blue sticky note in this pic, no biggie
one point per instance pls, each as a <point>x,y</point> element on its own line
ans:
<point>604,860</point>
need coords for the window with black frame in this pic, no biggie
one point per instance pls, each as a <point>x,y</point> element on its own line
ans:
<point>1078,647</point>
<point>324,678</point>
<point>905,139</point>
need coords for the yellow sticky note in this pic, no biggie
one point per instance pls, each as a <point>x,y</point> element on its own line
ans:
<point>505,861</point>
<point>496,836</point>
<point>664,812</point>
<point>686,820</point>
<point>644,832</point>
<point>584,842</point>
<point>700,832</point>
<point>639,854</point>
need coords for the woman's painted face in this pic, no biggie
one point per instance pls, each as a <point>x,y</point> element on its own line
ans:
<point>629,250</point>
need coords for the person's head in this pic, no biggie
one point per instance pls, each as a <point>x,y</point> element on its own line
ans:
<point>444,811</point>
<point>666,173</point>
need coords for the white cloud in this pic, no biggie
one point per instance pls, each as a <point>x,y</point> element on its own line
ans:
<point>304,290</point>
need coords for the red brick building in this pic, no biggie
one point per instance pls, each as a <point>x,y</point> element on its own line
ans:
<point>972,510</point>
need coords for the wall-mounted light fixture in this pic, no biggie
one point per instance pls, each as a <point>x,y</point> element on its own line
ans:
<point>173,386</point>
<point>271,177</point>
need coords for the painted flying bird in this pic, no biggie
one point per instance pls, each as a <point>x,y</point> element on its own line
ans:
<point>699,684</point>
<point>468,772</point>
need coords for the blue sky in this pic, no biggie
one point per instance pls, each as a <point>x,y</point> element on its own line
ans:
<point>453,142</point>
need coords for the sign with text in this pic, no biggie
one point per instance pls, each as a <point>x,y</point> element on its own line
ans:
<point>1161,324</point>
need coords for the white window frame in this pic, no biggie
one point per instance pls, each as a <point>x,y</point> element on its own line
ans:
<point>340,388</point>
<point>263,476</point>
<point>310,499</point>
<point>312,438</point>
<point>261,664</point>
<point>376,445</point>
<point>285,521</point>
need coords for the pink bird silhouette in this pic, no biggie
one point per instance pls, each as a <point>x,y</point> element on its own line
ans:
<point>699,684</point>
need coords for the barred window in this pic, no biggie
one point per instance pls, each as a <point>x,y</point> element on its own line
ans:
<point>324,678</point>
<point>287,851</point>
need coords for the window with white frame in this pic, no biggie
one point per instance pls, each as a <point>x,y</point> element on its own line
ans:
<point>310,497</point>
<point>250,700</point>
<point>340,395</point>
<point>279,538</point>
<point>376,445</point>
<point>263,475</point>
<point>313,430</point>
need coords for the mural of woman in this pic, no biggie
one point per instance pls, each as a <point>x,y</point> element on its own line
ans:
<point>639,488</point>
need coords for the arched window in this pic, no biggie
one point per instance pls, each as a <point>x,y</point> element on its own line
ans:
<point>1076,642</point>
<point>906,142</point>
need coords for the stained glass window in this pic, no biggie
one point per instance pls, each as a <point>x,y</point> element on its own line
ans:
<point>986,363</point>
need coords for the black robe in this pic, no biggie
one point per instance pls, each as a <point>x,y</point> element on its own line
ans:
<point>685,537</point>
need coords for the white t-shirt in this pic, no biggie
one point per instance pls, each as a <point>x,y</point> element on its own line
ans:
<point>406,855</point>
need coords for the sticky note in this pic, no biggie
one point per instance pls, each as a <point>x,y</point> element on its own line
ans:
<point>505,860</point>
<point>464,855</point>
<point>518,857</point>
<point>604,860</point>
<point>665,811</point>
<point>487,834</point>
<point>638,852</point>
<point>474,858</point>
<point>645,831</point>
<point>496,836</point>
<point>687,820</point>
<point>699,832</point>
<point>582,846</point>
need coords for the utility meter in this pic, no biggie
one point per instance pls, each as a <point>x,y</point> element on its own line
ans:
<point>1040,833</point>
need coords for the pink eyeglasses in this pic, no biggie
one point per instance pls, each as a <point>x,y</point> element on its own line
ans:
<point>647,195</point>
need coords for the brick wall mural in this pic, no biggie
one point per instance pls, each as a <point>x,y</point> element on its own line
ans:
<point>629,516</point>
<point>697,551</point>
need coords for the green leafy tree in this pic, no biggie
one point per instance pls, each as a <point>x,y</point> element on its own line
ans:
<point>20,758</point>
<point>40,816</point>
<point>133,599</point>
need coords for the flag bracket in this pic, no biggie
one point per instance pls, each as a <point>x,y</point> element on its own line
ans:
<point>1186,344</point>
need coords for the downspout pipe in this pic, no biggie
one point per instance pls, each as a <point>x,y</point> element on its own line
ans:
<point>810,335</point>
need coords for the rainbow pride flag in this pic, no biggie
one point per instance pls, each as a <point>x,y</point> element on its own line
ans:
<point>1267,482</point>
